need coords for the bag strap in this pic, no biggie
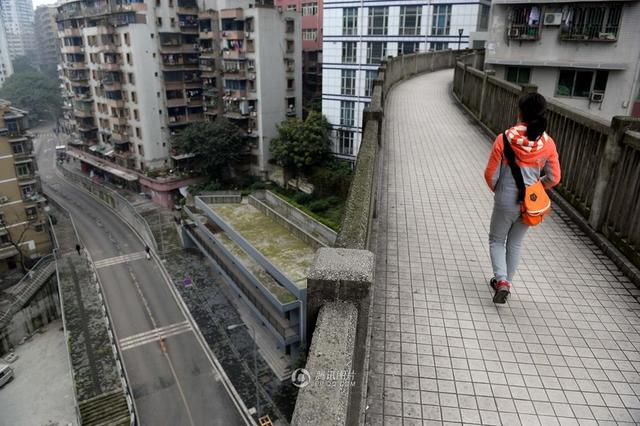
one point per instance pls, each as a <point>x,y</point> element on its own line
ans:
<point>515,169</point>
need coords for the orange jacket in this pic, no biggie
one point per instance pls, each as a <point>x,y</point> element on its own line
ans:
<point>533,157</point>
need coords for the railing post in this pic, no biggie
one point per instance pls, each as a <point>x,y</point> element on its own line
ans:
<point>610,157</point>
<point>528,88</point>
<point>483,93</point>
<point>464,74</point>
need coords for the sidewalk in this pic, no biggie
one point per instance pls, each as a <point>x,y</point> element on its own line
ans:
<point>565,348</point>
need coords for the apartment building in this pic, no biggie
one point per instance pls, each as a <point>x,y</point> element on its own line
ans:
<point>6,67</point>
<point>22,220</point>
<point>17,16</point>
<point>137,73</point>
<point>47,37</point>
<point>311,12</point>
<point>584,54</point>
<point>358,36</point>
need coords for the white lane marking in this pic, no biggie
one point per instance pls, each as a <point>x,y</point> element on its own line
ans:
<point>154,335</point>
<point>102,263</point>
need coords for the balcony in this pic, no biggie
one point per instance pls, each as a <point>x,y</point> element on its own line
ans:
<point>119,137</point>
<point>83,113</point>
<point>115,103</point>
<point>233,35</point>
<point>75,65</point>
<point>188,23</point>
<point>177,120</point>
<point>119,120</point>
<point>233,94</point>
<point>523,32</point>
<point>72,49</point>
<point>236,14</point>
<point>111,66</point>
<point>111,84</point>
<point>233,54</point>
<point>209,35</point>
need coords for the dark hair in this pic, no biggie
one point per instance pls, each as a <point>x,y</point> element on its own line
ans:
<point>532,107</point>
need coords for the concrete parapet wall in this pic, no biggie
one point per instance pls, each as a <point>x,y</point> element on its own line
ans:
<point>325,400</point>
<point>221,197</point>
<point>346,272</point>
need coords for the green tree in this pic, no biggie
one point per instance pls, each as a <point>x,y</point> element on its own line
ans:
<point>300,145</point>
<point>22,64</point>
<point>35,92</point>
<point>216,146</point>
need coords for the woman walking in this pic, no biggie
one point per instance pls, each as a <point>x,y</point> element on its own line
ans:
<point>523,159</point>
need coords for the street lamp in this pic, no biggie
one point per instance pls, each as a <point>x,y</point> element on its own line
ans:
<point>255,360</point>
<point>460,31</point>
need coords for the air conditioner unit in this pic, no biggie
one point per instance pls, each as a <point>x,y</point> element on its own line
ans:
<point>551,19</point>
<point>596,97</point>
<point>4,199</point>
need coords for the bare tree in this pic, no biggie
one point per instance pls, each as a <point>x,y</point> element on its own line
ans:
<point>16,242</point>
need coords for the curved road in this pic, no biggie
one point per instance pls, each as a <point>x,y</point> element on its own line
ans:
<point>174,381</point>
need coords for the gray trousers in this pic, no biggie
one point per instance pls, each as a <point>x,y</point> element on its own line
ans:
<point>505,242</point>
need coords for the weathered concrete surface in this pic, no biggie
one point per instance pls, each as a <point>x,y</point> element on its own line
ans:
<point>325,400</point>
<point>42,391</point>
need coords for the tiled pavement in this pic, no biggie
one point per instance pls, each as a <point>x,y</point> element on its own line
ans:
<point>566,347</point>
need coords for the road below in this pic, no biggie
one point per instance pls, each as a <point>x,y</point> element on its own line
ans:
<point>172,376</point>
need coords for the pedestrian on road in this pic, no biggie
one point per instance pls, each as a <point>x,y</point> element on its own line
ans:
<point>148,251</point>
<point>522,165</point>
<point>78,249</point>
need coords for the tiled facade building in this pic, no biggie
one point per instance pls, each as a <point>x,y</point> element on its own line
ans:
<point>22,220</point>
<point>584,54</point>
<point>359,35</point>
<point>311,23</point>
<point>137,73</point>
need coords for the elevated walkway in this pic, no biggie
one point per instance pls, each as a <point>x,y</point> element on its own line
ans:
<point>565,349</point>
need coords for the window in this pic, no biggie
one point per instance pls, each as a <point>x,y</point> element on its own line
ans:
<point>291,26</point>
<point>172,22</point>
<point>350,21</point>
<point>348,87</point>
<point>441,24</point>
<point>291,7</point>
<point>591,22</point>
<point>524,23</point>
<point>126,39</point>
<point>309,34</point>
<point>410,17</point>
<point>349,52</point>
<point>345,142</point>
<point>290,46</point>
<point>26,191</point>
<point>378,20</point>
<point>23,170</point>
<point>347,113</point>
<point>31,212</point>
<point>141,152</point>
<point>309,9</point>
<point>290,84</point>
<point>518,75</point>
<point>483,18</point>
<point>39,228</point>
<point>407,47</point>
<point>134,97</point>
<point>129,60</point>
<point>368,88</point>
<point>138,133</point>
<point>159,21</point>
<point>135,114</point>
<point>131,78</point>
<point>17,148</point>
<point>439,45</point>
<point>580,84</point>
<point>376,52</point>
<point>157,3</point>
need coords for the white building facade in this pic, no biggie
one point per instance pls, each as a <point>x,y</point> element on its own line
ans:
<point>359,35</point>
<point>6,67</point>
<point>17,16</point>
<point>583,54</point>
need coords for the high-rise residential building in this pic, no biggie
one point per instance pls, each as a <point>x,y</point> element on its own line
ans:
<point>358,36</point>
<point>6,67</point>
<point>583,54</point>
<point>17,16</point>
<point>136,73</point>
<point>47,37</point>
<point>311,12</point>
<point>23,229</point>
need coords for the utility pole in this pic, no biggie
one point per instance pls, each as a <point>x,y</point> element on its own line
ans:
<point>460,31</point>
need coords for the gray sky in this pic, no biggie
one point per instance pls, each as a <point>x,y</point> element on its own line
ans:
<point>37,3</point>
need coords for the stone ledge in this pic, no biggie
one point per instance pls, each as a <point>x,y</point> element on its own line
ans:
<point>340,264</point>
<point>332,350</point>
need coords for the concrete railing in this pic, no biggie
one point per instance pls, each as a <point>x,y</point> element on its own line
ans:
<point>117,202</point>
<point>340,279</point>
<point>600,160</point>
